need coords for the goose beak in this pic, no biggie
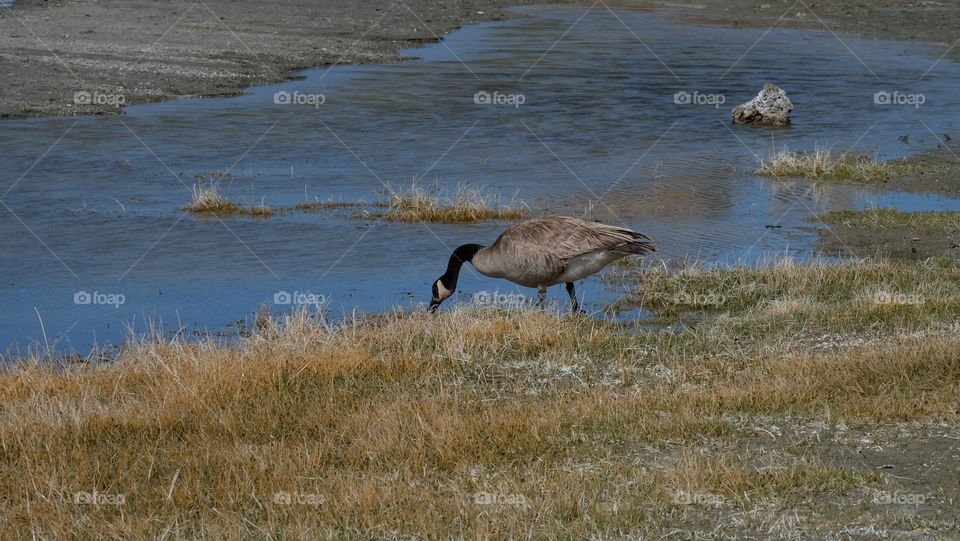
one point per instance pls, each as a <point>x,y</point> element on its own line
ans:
<point>438,295</point>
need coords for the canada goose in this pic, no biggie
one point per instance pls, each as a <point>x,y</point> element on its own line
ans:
<point>544,252</point>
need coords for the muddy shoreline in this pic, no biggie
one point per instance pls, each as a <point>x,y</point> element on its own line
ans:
<point>117,53</point>
<point>937,171</point>
<point>897,243</point>
<point>914,241</point>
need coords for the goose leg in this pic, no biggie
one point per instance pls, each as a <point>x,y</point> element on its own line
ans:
<point>574,305</point>
<point>541,297</point>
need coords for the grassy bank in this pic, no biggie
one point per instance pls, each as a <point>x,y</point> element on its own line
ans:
<point>482,423</point>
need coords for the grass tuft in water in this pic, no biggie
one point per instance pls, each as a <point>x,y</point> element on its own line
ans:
<point>463,205</point>
<point>822,163</point>
<point>207,200</point>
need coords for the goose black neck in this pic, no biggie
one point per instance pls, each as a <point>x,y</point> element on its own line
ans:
<point>461,255</point>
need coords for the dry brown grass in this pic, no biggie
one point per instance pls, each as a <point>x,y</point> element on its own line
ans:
<point>462,205</point>
<point>822,163</point>
<point>207,200</point>
<point>403,426</point>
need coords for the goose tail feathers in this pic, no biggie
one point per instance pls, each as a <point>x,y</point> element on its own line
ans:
<point>640,245</point>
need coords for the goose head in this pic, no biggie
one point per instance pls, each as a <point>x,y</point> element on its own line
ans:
<point>440,293</point>
<point>445,286</point>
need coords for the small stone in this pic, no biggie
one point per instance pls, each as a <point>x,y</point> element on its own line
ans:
<point>771,107</point>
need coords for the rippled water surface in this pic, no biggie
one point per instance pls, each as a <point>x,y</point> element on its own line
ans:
<point>92,204</point>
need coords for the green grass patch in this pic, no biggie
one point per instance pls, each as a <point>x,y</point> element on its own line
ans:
<point>891,218</point>
<point>789,297</point>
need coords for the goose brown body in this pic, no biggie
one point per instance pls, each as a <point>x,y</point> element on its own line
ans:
<point>544,252</point>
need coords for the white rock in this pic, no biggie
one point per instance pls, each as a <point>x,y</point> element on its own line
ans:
<point>771,107</point>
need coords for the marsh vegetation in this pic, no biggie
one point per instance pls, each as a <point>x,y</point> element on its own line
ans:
<point>516,423</point>
<point>462,204</point>
<point>823,163</point>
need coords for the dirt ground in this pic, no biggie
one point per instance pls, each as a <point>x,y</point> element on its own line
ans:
<point>938,171</point>
<point>911,244</point>
<point>154,51</point>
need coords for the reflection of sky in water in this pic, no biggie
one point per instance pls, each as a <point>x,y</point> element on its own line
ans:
<point>599,122</point>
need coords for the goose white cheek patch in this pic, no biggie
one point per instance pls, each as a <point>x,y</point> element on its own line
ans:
<point>442,292</point>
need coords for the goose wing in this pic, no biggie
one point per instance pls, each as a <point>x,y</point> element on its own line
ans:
<point>563,238</point>
<point>539,252</point>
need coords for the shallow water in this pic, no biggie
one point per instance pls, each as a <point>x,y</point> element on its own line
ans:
<point>9,3</point>
<point>92,203</point>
